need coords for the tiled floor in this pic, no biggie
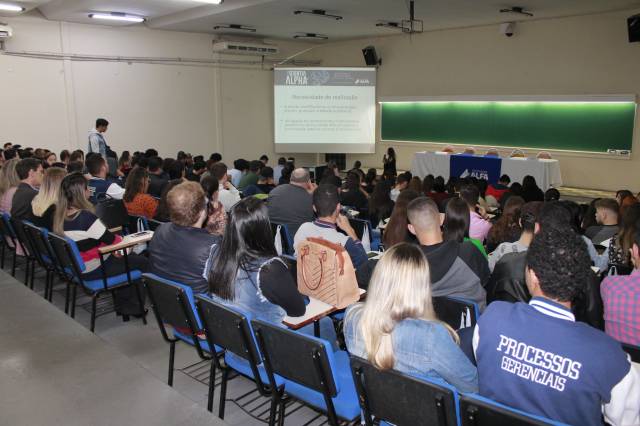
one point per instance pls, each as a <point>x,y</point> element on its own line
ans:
<point>144,345</point>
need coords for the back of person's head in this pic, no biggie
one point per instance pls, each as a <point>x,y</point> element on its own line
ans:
<point>94,163</point>
<point>215,157</point>
<point>529,183</point>
<point>554,217</point>
<point>423,214</point>
<point>218,171</point>
<point>266,173</point>
<point>352,182</point>
<point>516,188</point>
<point>247,239</point>
<point>627,201</point>
<point>457,220</point>
<point>77,155</point>
<point>8,176</point>
<point>325,200</point>
<point>154,164</point>
<point>186,203</point>
<point>357,164</point>
<point>505,180</point>
<point>101,122</point>
<point>49,190</point>
<point>255,166</point>
<point>136,183</point>
<point>282,161</point>
<point>399,289</point>
<point>300,176</point>
<point>73,194</point>
<point>470,194</point>
<point>508,223</point>
<point>10,154</point>
<point>199,165</point>
<point>608,204</point>
<point>381,196</point>
<point>628,227</point>
<point>24,166</point>
<point>151,153</point>
<point>439,184</point>
<point>371,176</point>
<point>402,178</point>
<point>575,214</point>
<point>529,215</point>
<point>75,166</point>
<point>561,264</point>
<point>64,155</point>
<point>415,184</point>
<point>210,186</point>
<point>176,171</point>
<point>552,194</point>
<point>621,194</point>
<point>264,159</point>
<point>396,230</point>
<point>167,163</point>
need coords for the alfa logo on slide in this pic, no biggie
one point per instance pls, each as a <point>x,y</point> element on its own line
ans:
<point>478,174</point>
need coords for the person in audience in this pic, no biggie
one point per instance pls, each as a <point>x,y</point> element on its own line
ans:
<point>277,170</point>
<point>124,163</point>
<point>65,156</point>
<point>263,186</point>
<point>397,328</point>
<point>77,155</point>
<point>291,204</point>
<point>456,269</point>
<point>415,184</point>
<point>552,194</point>
<point>480,224</point>
<point>389,163</point>
<point>621,243</point>
<point>514,189</point>
<point>264,160</point>
<point>30,173</point>
<point>370,180</point>
<point>75,166</point>
<point>286,174</point>
<point>162,213</point>
<point>627,201</point>
<point>252,177</point>
<point>75,218</point>
<point>396,230</point>
<point>326,204</point>
<point>353,195</point>
<point>530,190</point>
<point>499,189</point>
<point>9,182</point>
<point>43,205</point>
<point>607,221</point>
<point>507,228</point>
<point>331,175</point>
<point>97,143</point>
<point>535,357</point>
<point>216,215</point>
<point>99,184</point>
<point>620,297</point>
<point>402,183</point>
<point>228,195</point>
<point>157,177</point>
<point>589,217</point>
<point>456,224</point>
<point>439,193</point>
<point>194,174</point>
<point>240,168</point>
<point>177,171</point>
<point>50,159</point>
<point>182,250</point>
<point>527,218</point>
<point>427,185</point>
<point>247,271</point>
<point>136,199</point>
<point>621,194</point>
<point>380,204</point>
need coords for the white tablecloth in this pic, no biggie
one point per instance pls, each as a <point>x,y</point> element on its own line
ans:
<point>546,172</point>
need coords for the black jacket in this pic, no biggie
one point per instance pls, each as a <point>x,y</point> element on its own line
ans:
<point>21,203</point>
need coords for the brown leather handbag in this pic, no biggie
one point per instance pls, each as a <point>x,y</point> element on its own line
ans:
<point>325,272</point>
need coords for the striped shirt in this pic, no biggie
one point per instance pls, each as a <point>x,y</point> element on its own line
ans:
<point>89,233</point>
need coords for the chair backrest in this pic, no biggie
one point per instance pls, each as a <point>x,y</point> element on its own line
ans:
<point>41,249</point>
<point>479,411</point>
<point>154,224</point>
<point>172,302</point>
<point>21,236</point>
<point>6,228</point>
<point>296,357</point>
<point>359,225</point>
<point>67,255</point>
<point>401,399</point>
<point>285,235</point>
<point>633,351</point>
<point>457,312</point>
<point>137,224</point>
<point>112,213</point>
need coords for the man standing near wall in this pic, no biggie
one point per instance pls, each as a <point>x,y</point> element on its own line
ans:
<point>97,143</point>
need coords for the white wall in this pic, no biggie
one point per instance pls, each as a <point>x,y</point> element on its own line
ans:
<point>570,56</point>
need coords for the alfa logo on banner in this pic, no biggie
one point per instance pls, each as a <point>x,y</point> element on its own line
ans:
<point>463,165</point>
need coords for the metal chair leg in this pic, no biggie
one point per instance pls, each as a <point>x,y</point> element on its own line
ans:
<point>67,297</point>
<point>4,251</point>
<point>94,300</point>
<point>33,274</point>
<point>223,392</point>
<point>212,387</point>
<point>140,302</point>
<point>172,354</point>
<point>73,300</point>
<point>15,260</point>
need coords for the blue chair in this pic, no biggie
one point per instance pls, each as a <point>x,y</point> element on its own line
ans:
<point>476,410</point>
<point>456,311</point>
<point>43,253</point>
<point>10,238</point>
<point>69,259</point>
<point>285,235</point>
<point>173,304</point>
<point>24,242</point>
<point>401,399</point>
<point>314,374</point>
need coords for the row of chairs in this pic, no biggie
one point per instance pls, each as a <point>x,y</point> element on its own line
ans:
<point>285,364</point>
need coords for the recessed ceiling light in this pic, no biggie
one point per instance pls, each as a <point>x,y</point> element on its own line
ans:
<point>237,27</point>
<point>311,36</point>
<point>6,7</point>
<point>117,16</point>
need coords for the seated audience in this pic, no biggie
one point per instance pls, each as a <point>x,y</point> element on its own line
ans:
<point>514,189</point>
<point>402,182</point>
<point>331,175</point>
<point>456,269</point>
<point>415,184</point>
<point>136,199</point>
<point>499,189</point>
<point>263,186</point>
<point>291,203</point>
<point>607,221</point>
<point>326,204</point>
<point>353,195</point>
<point>286,174</point>
<point>480,225</point>
<point>552,194</point>
<point>9,182</point>
<point>228,195</point>
<point>380,204</point>
<point>157,177</point>
<point>621,194</point>
<point>43,205</point>
<point>251,178</point>
<point>527,222</point>
<point>263,159</point>
<point>216,215</point>
<point>439,193</point>
<point>530,190</point>
<point>30,172</point>
<point>182,250</point>
<point>507,227</point>
<point>370,180</point>
<point>621,243</point>
<point>240,168</point>
<point>195,172</point>
<point>535,357</point>
<point>98,182</point>
<point>176,171</point>
<point>124,163</point>
<point>621,299</point>
<point>162,213</point>
<point>397,328</point>
<point>277,170</point>
<point>75,219</point>
<point>456,224</point>
<point>50,159</point>
<point>396,230</point>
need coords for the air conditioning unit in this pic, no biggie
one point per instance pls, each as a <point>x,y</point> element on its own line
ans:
<point>5,31</point>
<point>243,48</point>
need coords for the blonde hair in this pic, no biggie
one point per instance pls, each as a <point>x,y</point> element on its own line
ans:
<point>49,190</point>
<point>71,195</point>
<point>400,288</point>
<point>8,176</point>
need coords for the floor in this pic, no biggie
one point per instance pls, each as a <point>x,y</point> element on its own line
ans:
<point>144,344</point>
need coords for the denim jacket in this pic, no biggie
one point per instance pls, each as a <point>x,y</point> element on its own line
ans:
<point>422,349</point>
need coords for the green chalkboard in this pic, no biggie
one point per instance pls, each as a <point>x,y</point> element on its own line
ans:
<point>573,126</point>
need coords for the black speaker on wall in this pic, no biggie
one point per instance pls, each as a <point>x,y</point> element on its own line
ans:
<point>370,56</point>
<point>633,26</point>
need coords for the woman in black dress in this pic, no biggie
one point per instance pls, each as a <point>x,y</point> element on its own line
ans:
<point>389,161</point>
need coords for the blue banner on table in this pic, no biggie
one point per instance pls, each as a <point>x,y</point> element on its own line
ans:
<point>488,168</point>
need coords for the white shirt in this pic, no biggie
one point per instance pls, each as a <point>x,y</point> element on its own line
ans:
<point>236,175</point>
<point>394,194</point>
<point>228,197</point>
<point>114,190</point>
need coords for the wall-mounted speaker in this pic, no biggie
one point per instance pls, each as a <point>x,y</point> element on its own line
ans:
<point>633,26</point>
<point>370,56</point>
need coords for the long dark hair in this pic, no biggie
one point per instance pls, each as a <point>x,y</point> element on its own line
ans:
<point>396,230</point>
<point>508,226</point>
<point>391,153</point>
<point>135,183</point>
<point>456,220</point>
<point>247,239</point>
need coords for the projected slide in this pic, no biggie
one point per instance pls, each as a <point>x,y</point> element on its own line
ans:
<point>325,110</point>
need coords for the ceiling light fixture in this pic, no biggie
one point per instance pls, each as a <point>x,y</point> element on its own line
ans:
<point>117,16</point>
<point>6,7</point>
<point>318,12</point>
<point>236,27</point>
<point>410,26</point>
<point>211,1</point>
<point>517,10</point>
<point>388,24</point>
<point>311,36</point>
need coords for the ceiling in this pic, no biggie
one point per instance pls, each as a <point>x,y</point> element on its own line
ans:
<point>275,18</point>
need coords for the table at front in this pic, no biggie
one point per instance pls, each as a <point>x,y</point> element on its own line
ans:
<point>546,172</point>
<point>55,372</point>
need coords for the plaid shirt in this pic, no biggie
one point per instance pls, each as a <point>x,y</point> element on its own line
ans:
<point>621,298</point>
